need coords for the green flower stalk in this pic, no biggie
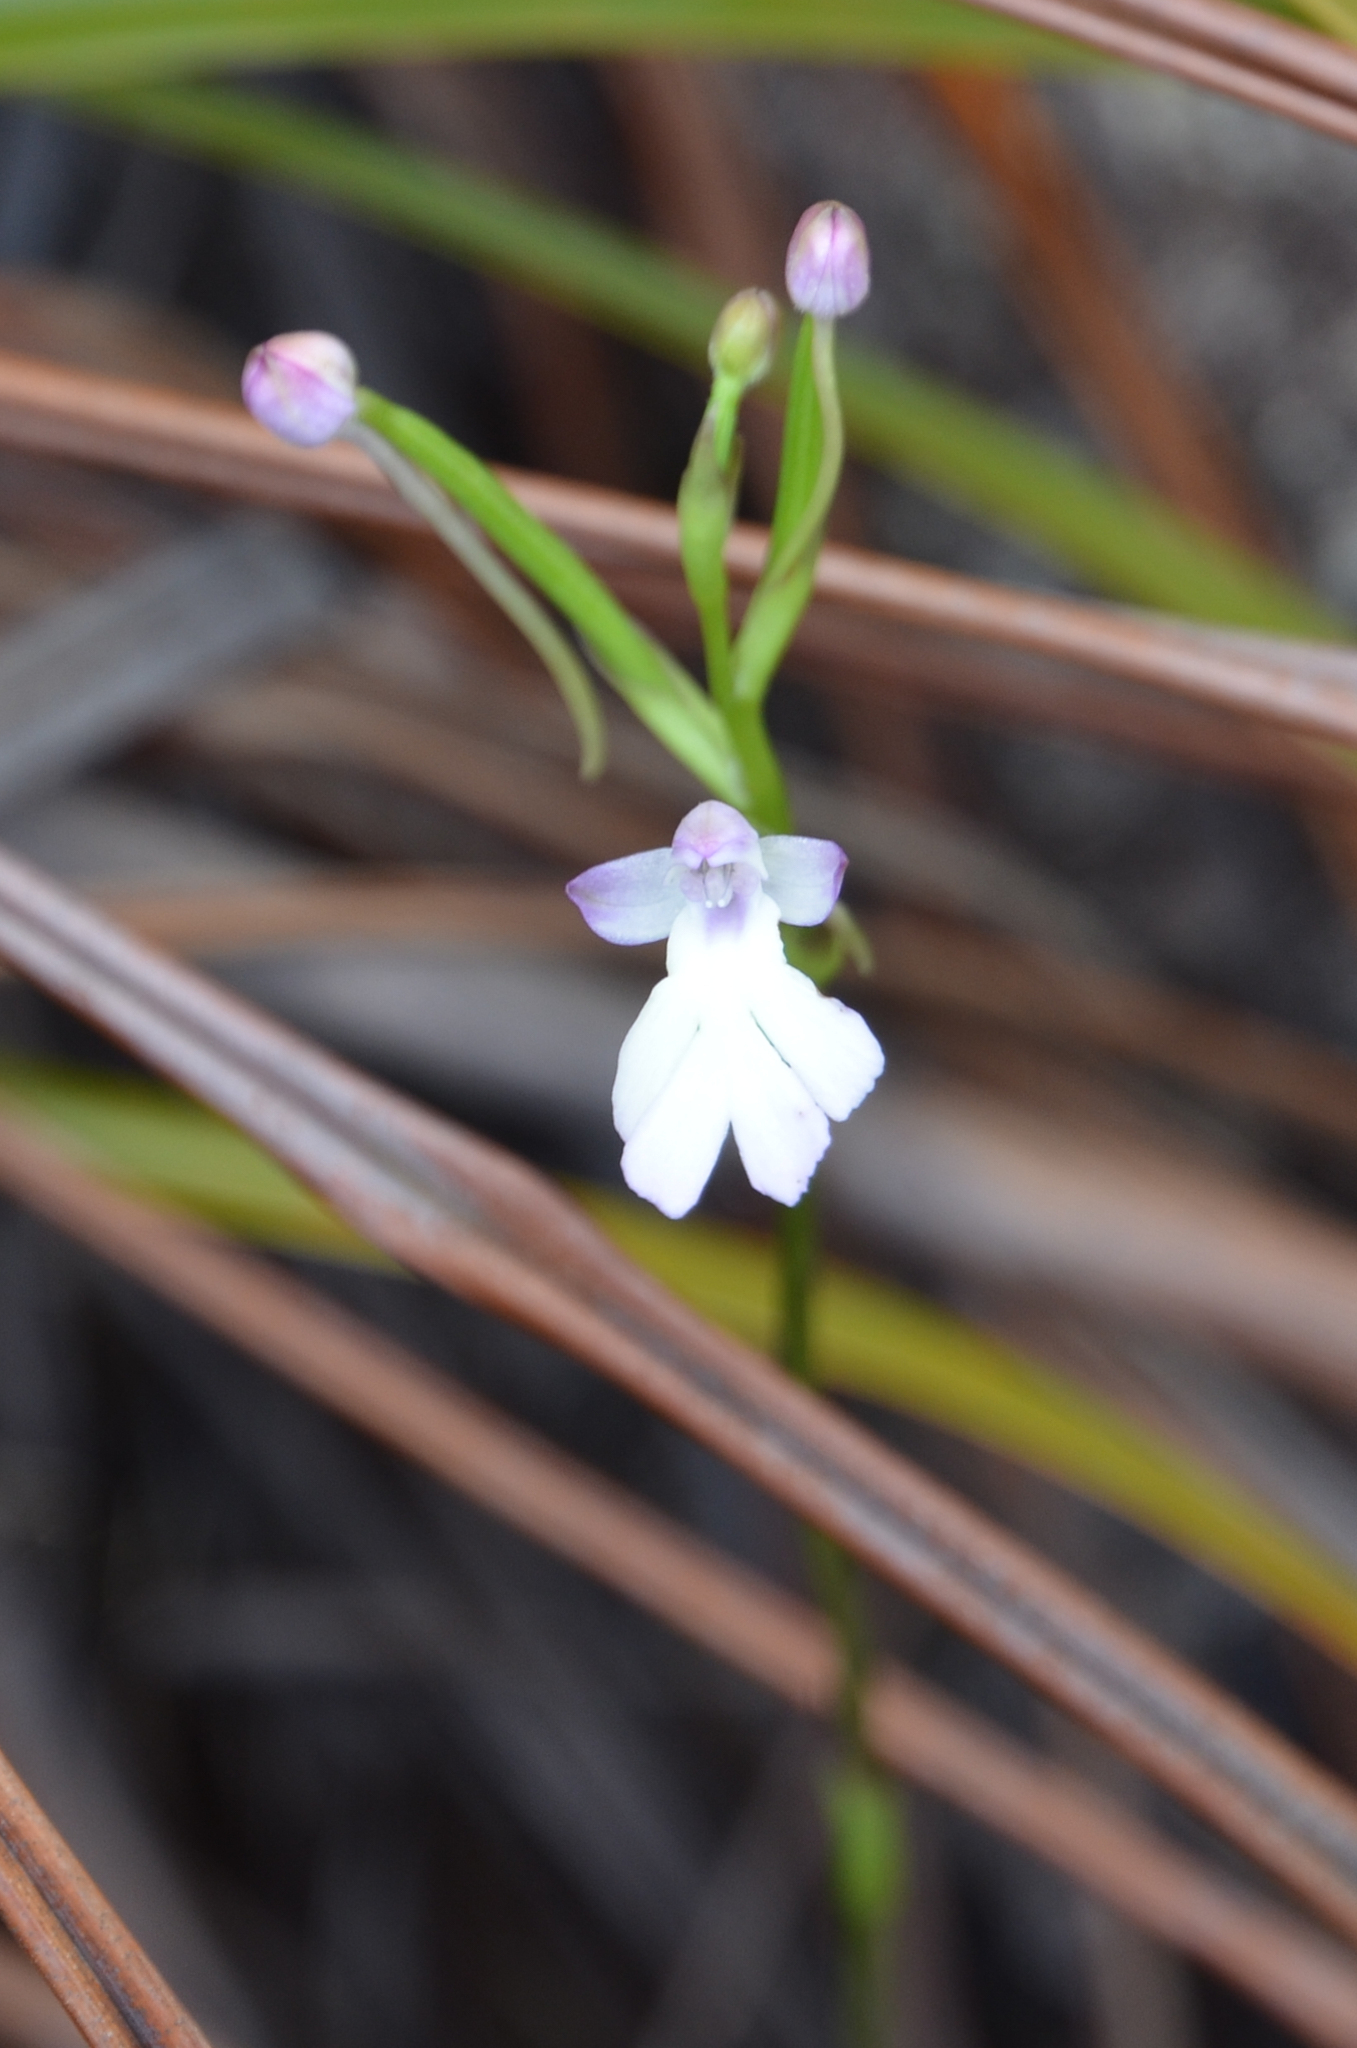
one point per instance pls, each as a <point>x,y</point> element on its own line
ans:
<point>304,388</point>
<point>741,352</point>
<point>743,343</point>
<point>828,275</point>
<point>736,1036</point>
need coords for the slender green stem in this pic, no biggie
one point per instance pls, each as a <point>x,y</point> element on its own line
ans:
<point>706,507</point>
<point>812,462</point>
<point>768,808</point>
<point>713,613</point>
<point>833,1573</point>
<point>862,1817</point>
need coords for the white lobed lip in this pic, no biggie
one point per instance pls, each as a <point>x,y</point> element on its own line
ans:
<point>734,1037</point>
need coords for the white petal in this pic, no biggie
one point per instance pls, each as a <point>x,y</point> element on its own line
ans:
<point>804,876</point>
<point>651,1050</point>
<point>628,901</point>
<point>828,1045</point>
<point>671,1153</point>
<point>724,950</point>
<point>781,1133</point>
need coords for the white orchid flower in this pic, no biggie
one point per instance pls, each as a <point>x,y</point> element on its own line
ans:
<point>734,1036</point>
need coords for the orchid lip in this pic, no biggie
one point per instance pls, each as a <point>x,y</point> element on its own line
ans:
<point>734,1038</point>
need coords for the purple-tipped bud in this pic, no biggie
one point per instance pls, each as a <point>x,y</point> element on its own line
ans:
<point>829,269</point>
<point>744,337</point>
<point>301,386</point>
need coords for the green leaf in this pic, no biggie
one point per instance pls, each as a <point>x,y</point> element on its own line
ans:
<point>873,1340</point>
<point>1117,536</point>
<point>47,45</point>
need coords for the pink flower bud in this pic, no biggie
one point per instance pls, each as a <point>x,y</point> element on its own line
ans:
<point>829,269</point>
<point>301,386</point>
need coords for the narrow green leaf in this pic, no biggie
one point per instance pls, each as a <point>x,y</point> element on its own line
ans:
<point>48,45</point>
<point>1118,537</point>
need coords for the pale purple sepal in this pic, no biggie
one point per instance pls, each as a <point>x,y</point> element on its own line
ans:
<point>629,901</point>
<point>829,267</point>
<point>804,876</point>
<point>714,835</point>
<point>302,387</point>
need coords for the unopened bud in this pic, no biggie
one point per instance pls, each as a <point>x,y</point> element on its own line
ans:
<point>829,269</point>
<point>301,386</point>
<point>744,338</point>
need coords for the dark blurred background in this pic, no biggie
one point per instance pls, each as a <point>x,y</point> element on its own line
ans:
<point>360,1766</point>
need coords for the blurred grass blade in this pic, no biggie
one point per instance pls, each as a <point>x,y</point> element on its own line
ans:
<point>50,44</point>
<point>1115,535</point>
<point>881,1342</point>
<point>875,1340</point>
<point>169,1148</point>
<point>399,1400</point>
<point>482,1225</point>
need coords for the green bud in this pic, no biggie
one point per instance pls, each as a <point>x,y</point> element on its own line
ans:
<point>744,338</point>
